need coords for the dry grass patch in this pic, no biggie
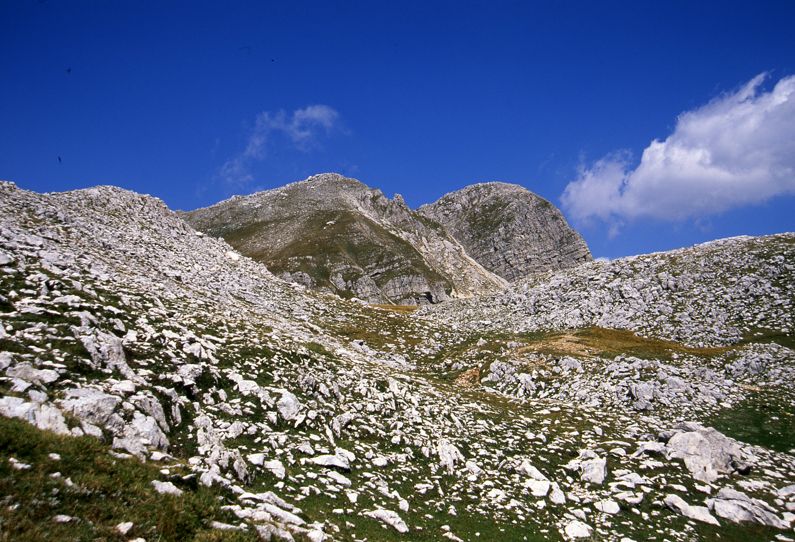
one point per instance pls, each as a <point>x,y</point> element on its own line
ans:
<point>566,344</point>
<point>749,387</point>
<point>596,341</point>
<point>469,378</point>
<point>400,309</point>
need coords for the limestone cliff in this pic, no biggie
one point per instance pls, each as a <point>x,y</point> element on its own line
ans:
<point>509,230</point>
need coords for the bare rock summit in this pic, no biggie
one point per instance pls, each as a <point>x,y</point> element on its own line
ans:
<point>509,230</point>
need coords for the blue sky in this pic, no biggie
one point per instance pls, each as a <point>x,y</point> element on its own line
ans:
<point>195,101</point>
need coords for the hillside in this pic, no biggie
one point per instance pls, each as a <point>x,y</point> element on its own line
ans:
<point>228,404</point>
<point>509,230</point>
<point>335,234</point>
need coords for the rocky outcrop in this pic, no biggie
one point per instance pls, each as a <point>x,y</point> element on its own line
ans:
<point>335,234</point>
<point>738,507</point>
<point>508,229</point>
<point>706,452</point>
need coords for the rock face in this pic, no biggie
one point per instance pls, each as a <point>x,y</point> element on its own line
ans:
<point>336,234</point>
<point>509,230</point>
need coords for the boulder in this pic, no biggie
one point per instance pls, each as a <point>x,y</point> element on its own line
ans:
<point>288,406</point>
<point>698,513</point>
<point>92,406</point>
<point>577,529</point>
<point>388,517</point>
<point>738,507</point>
<point>706,452</point>
<point>166,488</point>
<point>448,454</point>
<point>43,416</point>
<point>332,461</point>
<point>594,470</point>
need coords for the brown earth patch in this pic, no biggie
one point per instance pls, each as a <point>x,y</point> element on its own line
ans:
<point>469,378</point>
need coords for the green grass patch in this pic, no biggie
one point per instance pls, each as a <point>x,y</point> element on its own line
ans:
<point>106,491</point>
<point>764,418</point>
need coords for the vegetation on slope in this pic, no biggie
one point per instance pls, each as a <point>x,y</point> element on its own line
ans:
<point>84,492</point>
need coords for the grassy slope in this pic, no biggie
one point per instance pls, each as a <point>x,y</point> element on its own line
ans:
<point>330,239</point>
<point>106,491</point>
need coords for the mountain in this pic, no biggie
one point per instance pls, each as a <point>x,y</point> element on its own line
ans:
<point>336,234</point>
<point>157,384</point>
<point>509,230</point>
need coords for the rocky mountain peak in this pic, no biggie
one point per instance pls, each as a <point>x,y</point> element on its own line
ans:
<point>333,233</point>
<point>508,229</point>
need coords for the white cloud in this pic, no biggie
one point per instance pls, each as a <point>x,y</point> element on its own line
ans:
<point>301,128</point>
<point>737,150</point>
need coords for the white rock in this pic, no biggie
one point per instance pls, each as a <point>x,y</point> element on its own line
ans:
<point>738,507</point>
<point>276,467</point>
<point>125,387</point>
<point>256,459</point>
<point>526,468</point>
<point>339,478</point>
<point>577,529</point>
<point>26,372</point>
<point>224,526</point>
<point>124,528</point>
<point>448,454</point>
<point>166,488</point>
<point>608,507</point>
<point>43,416</point>
<point>557,496</point>
<point>288,406</point>
<point>90,405</point>
<point>335,461</point>
<point>594,470</point>
<point>699,513</point>
<point>5,258</point>
<point>539,488</point>
<point>282,515</point>
<point>706,452</point>
<point>140,434</point>
<point>786,491</point>
<point>388,517</point>
<point>18,465</point>
<point>107,351</point>
<point>316,535</point>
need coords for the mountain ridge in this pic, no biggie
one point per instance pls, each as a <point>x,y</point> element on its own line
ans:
<point>369,246</point>
<point>380,250</point>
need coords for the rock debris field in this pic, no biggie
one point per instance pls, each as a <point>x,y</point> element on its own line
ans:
<point>647,398</point>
